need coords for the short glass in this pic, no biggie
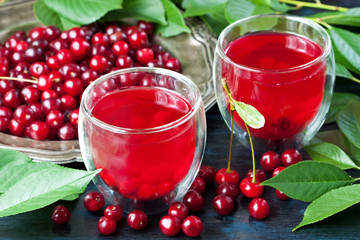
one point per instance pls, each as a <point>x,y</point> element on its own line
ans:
<point>294,99</point>
<point>145,168</point>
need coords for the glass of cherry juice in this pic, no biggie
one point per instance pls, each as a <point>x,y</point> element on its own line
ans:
<point>284,67</point>
<point>145,128</point>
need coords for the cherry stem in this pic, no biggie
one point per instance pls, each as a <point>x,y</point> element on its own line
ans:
<point>19,79</point>
<point>318,4</point>
<point>231,139</point>
<point>252,153</point>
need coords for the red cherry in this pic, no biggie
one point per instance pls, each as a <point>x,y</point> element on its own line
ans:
<point>94,201</point>
<point>68,102</point>
<point>16,128</point>
<point>290,157</point>
<point>228,189</point>
<point>269,161</point>
<point>24,114</point>
<point>138,39</point>
<point>259,208</point>
<point>48,94</point>
<point>198,185</point>
<point>4,124</point>
<point>173,64</point>
<point>60,214</point>
<point>99,63</point>
<point>144,55</point>
<point>194,201</point>
<point>281,195</point>
<point>223,176</point>
<point>178,210</point>
<point>148,27</point>
<point>44,82</point>
<point>260,175</point>
<point>124,62</point>
<point>30,94</point>
<point>106,225</point>
<point>250,189</point>
<point>39,130</point>
<point>64,56</point>
<point>54,118</point>
<point>120,48</point>
<point>74,86</point>
<point>100,38</point>
<point>277,171</point>
<point>137,220</point>
<point>170,225</point>
<point>192,226</point>
<point>207,173</point>
<point>74,117</point>
<point>113,211</point>
<point>80,49</point>
<point>67,132</point>
<point>223,205</point>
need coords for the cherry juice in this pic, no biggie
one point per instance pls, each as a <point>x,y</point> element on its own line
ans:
<point>152,150</point>
<point>281,75</point>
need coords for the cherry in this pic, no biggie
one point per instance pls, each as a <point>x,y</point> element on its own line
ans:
<point>67,132</point>
<point>16,58</point>
<point>36,33</point>
<point>281,195</point>
<point>38,113</point>
<point>21,46</point>
<point>16,128</point>
<point>228,189</point>
<point>223,205</point>
<point>41,43</point>
<point>44,82</point>
<point>94,201</point>
<point>223,176</point>
<point>170,225</point>
<point>194,201</point>
<point>80,49</point>
<point>24,114</point>
<point>269,161</point>
<point>259,208</point>
<point>260,175</point>
<point>192,226</point>
<point>250,189</point>
<point>51,33</point>
<point>39,130</point>
<point>4,124</point>
<point>71,70</point>
<point>124,62</point>
<point>98,63</point>
<point>74,87</point>
<point>6,85</point>
<point>12,98</point>
<point>54,118</point>
<point>100,38</point>
<point>97,49</point>
<point>117,36</point>
<point>88,76</point>
<point>22,67</point>
<point>106,225</point>
<point>30,94</point>
<point>114,212</point>
<point>11,42</point>
<point>137,220</point>
<point>148,27</point>
<point>110,29</point>
<point>138,39</point>
<point>48,94</point>
<point>6,112</point>
<point>68,102</point>
<point>60,214</point>
<point>178,210</point>
<point>76,32</point>
<point>198,185</point>
<point>59,44</point>
<point>144,55</point>
<point>74,117</point>
<point>290,157</point>
<point>33,54</point>
<point>277,171</point>
<point>64,56</point>
<point>53,63</point>
<point>120,48</point>
<point>173,64</point>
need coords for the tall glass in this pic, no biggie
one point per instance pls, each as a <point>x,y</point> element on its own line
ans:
<point>143,168</point>
<point>283,66</point>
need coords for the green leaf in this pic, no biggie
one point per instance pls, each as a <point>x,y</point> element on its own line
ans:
<point>11,157</point>
<point>201,7</point>
<point>176,23</point>
<point>83,11</point>
<point>342,71</point>
<point>237,9</point>
<point>348,18</point>
<point>338,102</point>
<point>45,15</point>
<point>330,153</point>
<point>308,180</point>
<point>215,20</point>
<point>348,121</point>
<point>32,185</point>
<point>148,10</point>
<point>67,24</point>
<point>250,115</point>
<point>275,4</point>
<point>331,203</point>
<point>337,138</point>
<point>347,44</point>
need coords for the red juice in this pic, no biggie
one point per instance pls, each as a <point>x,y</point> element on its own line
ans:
<point>280,85</point>
<point>150,165</point>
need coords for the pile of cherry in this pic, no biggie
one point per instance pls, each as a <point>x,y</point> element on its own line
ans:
<point>53,68</point>
<point>228,190</point>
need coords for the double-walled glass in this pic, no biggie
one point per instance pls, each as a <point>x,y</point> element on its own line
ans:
<point>144,168</point>
<point>294,100</point>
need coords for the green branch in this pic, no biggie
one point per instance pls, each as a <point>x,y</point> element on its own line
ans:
<point>318,4</point>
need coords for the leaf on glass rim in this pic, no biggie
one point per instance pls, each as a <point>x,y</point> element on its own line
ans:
<point>78,11</point>
<point>45,15</point>
<point>330,153</point>
<point>347,44</point>
<point>201,7</point>
<point>32,185</point>
<point>338,102</point>
<point>215,20</point>
<point>176,23</point>
<point>308,180</point>
<point>331,203</point>
<point>237,9</point>
<point>348,121</point>
<point>152,11</point>
<point>338,138</point>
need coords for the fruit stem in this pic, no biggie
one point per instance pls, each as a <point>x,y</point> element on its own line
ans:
<point>318,4</point>
<point>19,79</point>
<point>231,139</point>
<point>252,153</point>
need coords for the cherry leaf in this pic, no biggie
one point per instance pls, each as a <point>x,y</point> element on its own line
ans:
<point>45,15</point>
<point>330,153</point>
<point>308,180</point>
<point>200,7</point>
<point>331,203</point>
<point>338,102</point>
<point>249,114</point>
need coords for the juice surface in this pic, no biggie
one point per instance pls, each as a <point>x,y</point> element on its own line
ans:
<point>143,166</point>
<point>289,100</point>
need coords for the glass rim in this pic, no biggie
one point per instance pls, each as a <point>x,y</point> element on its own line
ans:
<point>121,130</point>
<point>320,29</point>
